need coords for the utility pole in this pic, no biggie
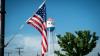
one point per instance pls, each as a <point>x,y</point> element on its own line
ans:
<point>8,53</point>
<point>38,54</point>
<point>19,51</point>
<point>2,32</point>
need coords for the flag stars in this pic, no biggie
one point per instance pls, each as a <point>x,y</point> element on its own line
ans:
<point>41,12</point>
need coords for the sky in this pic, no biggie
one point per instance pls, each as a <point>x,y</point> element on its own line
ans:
<point>69,16</point>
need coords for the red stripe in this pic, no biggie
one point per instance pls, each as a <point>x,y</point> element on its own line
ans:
<point>38,18</point>
<point>35,27</point>
<point>44,49</point>
<point>42,54</point>
<point>44,39</point>
<point>37,23</point>
<point>44,25</point>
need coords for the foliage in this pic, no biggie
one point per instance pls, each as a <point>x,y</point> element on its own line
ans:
<point>76,45</point>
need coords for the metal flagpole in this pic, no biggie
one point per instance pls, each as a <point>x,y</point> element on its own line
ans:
<point>20,28</point>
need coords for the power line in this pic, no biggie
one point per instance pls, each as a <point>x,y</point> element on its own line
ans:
<point>38,54</point>
<point>19,51</point>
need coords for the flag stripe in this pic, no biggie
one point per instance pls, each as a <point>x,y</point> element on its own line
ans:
<point>36,20</point>
<point>33,23</point>
<point>44,49</point>
<point>45,38</point>
<point>45,43</point>
<point>39,18</point>
<point>35,26</point>
<point>45,27</point>
<point>38,23</point>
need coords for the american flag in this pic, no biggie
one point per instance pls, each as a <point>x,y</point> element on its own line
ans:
<point>39,22</point>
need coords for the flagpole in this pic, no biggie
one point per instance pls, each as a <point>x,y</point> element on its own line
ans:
<point>20,28</point>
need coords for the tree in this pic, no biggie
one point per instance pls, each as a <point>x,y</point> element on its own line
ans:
<point>76,45</point>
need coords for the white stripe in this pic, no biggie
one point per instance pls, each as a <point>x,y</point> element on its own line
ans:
<point>35,24</point>
<point>44,23</point>
<point>38,22</point>
<point>44,33</point>
<point>39,16</point>
<point>42,50</point>
<point>33,18</point>
<point>44,43</point>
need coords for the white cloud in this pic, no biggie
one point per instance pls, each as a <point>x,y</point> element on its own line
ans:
<point>32,41</point>
<point>31,44</point>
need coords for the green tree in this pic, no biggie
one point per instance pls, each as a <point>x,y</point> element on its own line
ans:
<point>76,45</point>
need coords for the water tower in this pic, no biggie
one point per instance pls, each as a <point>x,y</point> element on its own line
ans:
<point>50,28</point>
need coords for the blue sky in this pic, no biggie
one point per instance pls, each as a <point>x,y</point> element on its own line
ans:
<point>69,16</point>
